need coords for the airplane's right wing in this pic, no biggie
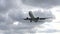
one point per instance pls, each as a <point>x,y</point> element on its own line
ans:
<point>45,18</point>
<point>40,18</point>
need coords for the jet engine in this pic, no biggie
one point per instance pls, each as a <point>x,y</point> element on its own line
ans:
<point>37,17</point>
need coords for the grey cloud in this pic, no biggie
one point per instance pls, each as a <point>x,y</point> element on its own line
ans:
<point>6,5</point>
<point>16,14</point>
<point>43,14</point>
<point>49,31</point>
<point>5,22</point>
<point>42,3</point>
<point>2,18</point>
<point>45,31</point>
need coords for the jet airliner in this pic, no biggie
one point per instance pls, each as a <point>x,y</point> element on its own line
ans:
<point>32,18</point>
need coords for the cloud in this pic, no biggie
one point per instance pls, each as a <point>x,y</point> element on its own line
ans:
<point>6,5</point>
<point>50,31</point>
<point>11,11</point>
<point>41,3</point>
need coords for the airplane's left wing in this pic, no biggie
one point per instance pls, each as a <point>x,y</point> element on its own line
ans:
<point>27,19</point>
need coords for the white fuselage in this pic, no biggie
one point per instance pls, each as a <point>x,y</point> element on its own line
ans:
<point>31,15</point>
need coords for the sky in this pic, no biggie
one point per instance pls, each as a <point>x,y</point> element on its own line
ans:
<point>13,12</point>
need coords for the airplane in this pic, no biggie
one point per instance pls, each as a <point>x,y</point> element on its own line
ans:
<point>32,18</point>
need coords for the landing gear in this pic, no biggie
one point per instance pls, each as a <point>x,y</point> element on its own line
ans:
<point>30,20</point>
<point>36,21</point>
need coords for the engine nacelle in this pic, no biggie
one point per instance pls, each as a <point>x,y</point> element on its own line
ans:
<point>37,17</point>
<point>27,18</point>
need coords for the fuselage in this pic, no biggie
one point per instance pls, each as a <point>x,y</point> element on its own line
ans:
<point>32,16</point>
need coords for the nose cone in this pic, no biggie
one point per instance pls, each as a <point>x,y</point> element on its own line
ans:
<point>30,11</point>
<point>31,14</point>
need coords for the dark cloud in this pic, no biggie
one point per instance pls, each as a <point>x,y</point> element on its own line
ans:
<point>42,3</point>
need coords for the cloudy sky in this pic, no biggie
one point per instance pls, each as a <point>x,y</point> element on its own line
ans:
<point>12,13</point>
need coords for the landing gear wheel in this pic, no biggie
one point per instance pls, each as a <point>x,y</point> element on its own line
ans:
<point>30,20</point>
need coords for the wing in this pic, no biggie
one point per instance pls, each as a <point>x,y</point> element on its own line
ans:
<point>27,18</point>
<point>43,18</point>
